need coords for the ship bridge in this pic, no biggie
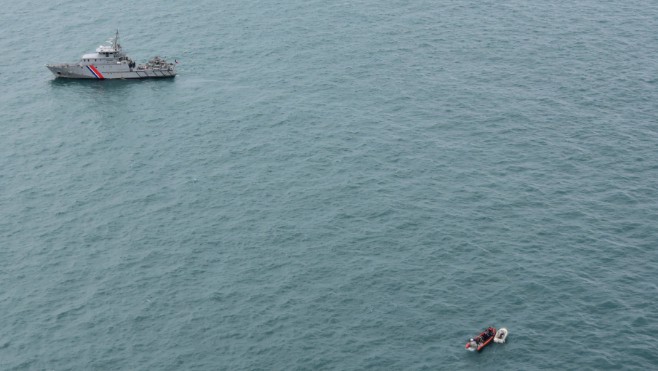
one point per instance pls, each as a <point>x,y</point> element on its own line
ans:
<point>106,53</point>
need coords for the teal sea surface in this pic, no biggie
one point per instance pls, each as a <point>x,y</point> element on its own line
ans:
<point>331,185</point>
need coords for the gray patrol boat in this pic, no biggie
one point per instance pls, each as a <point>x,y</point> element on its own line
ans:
<point>110,62</point>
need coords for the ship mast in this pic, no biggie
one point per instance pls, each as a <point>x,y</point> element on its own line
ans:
<point>116,41</point>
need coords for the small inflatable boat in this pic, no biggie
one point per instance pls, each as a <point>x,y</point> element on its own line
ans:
<point>501,335</point>
<point>481,341</point>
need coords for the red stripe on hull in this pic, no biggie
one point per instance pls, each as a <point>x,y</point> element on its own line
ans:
<point>96,72</point>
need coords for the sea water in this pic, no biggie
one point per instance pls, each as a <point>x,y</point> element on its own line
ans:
<point>331,185</point>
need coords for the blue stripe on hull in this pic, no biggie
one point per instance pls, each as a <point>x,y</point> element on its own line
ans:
<point>92,72</point>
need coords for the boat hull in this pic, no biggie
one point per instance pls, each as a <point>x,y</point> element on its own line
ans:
<point>82,71</point>
<point>501,335</point>
<point>485,338</point>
